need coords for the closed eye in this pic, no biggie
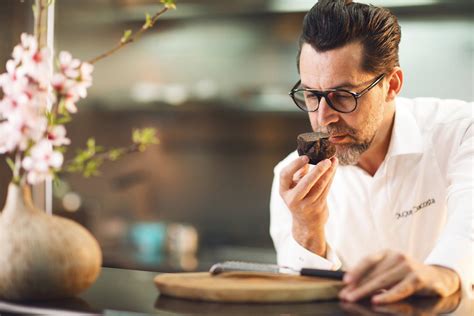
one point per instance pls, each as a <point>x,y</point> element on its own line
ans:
<point>310,95</point>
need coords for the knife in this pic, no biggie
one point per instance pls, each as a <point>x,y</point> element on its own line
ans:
<point>228,266</point>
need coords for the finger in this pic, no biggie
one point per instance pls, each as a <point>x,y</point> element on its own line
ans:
<point>398,309</point>
<point>286,174</point>
<point>363,267</point>
<point>303,187</point>
<point>357,309</point>
<point>347,289</point>
<point>391,260</point>
<point>326,191</point>
<point>378,282</point>
<point>300,174</point>
<point>402,290</point>
<point>322,187</point>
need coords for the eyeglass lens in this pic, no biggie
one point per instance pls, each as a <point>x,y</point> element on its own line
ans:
<point>340,100</point>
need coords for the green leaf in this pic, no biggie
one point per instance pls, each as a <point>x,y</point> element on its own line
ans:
<point>56,181</point>
<point>62,107</point>
<point>169,4</point>
<point>63,120</point>
<point>126,36</point>
<point>91,168</point>
<point>145,136</point>
<point>148,22</point>
<point>11,164</point>
<point>62,150</point>
<point>91,143</point>
<point>115,154</point>
<point>50,117</point>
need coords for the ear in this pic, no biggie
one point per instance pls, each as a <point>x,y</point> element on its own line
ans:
<point>395,83</point>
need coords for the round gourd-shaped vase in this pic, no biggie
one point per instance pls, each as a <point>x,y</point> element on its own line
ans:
<point>43,256</point>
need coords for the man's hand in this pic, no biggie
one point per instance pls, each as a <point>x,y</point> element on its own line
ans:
<point>305,193</point>
<point>392,276</point>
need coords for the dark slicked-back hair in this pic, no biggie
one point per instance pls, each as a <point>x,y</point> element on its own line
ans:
<point>331,24</point>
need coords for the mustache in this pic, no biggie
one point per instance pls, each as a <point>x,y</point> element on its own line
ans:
<point>338,129</point>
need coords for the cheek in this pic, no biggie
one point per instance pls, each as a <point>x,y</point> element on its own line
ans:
<point>313,119</point>
<point>372,119</point>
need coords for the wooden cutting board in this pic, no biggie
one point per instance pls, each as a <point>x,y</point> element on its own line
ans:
<point>242,287</point>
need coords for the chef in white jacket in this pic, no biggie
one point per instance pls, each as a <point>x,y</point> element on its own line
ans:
<point>394,207</point>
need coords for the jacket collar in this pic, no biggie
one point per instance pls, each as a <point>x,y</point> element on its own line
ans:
<point>406,136</point>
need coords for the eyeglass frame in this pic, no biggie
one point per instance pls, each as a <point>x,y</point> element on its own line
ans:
<point>324,94</point>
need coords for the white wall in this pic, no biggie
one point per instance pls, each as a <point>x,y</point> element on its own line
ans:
<point>437,57</point>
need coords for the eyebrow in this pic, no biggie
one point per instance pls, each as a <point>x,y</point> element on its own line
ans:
<point>344,85</point>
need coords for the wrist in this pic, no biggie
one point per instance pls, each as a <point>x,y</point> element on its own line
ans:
<point>311,237</point>
<point>448,283</point>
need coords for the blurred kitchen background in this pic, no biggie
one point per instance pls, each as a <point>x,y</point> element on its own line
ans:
<point>213,78</point>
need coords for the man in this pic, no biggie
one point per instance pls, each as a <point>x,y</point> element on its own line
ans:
<point>394,207</point>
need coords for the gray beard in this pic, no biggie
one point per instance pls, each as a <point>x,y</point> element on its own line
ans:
<point>350,154</point>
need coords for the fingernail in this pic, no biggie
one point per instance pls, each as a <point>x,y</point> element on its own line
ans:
<point>326,163</point>
<point>375,299</point>
<point>350,297</point>
<point>347,278</point>
<point>305,158</point>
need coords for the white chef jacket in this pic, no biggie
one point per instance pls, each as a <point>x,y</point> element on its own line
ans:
<point>420,200</point>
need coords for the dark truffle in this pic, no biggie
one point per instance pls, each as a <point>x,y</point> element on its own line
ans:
<point>316,146</point>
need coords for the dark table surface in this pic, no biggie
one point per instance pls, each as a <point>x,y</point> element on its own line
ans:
<point>132,292</point>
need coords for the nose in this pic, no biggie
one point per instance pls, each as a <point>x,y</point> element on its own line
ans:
<point>324,116</point>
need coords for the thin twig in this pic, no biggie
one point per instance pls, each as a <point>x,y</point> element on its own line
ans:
<point>131,149</point>
<point>16,171</point>
<point>106,155</point>
<point>130,39</point>
<point>40,12</point>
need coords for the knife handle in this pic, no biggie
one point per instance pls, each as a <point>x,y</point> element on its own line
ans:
<point>331,274</point>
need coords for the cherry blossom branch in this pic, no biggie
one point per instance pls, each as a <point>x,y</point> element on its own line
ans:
<point>39,17</point>
<point>88,161</point>
<point>128,37</point>
<point>39,8</point>
<point>35,151</point>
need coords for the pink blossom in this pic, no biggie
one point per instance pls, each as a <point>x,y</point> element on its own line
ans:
<point>27,48</point>
<point>28,43</point>
<point>26,87</point>
<point>38,67</point>
<point>69,66</point>
<point>11,67</point>
<point>31,61</point>
<point>85,79</point>
<point>72,82</point>
<point>57,135</point>
<point>24,126</point>
<point>26,78</point>
<point>70,102</point>
<point>86,72</point>
<point>9,138</point>
<point>8,105</point>
<point>59,82</point>
<point>13,84</point>
<point>42,159</point>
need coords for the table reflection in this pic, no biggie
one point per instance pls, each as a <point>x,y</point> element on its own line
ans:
<point>120,292</point>
<point>412,306</point>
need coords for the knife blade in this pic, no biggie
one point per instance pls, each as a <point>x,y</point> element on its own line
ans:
<point>228,266</point>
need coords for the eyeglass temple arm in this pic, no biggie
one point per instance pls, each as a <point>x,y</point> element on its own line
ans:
<point>358,95</point>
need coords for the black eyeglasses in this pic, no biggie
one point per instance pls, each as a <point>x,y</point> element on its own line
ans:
<point>340,100</point>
